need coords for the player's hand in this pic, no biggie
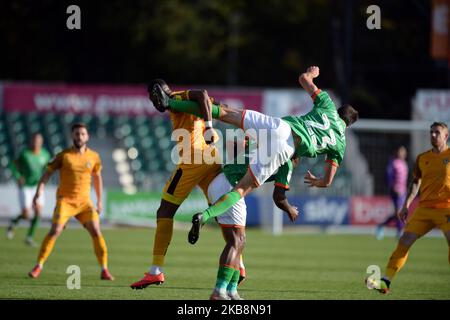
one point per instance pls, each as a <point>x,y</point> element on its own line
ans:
<point>403,214</point>
<point>209,135</point>
<point>310,179</point>
<point>313,71</point>
<point>293,213</point>
<point>35,201</point>
<point>99,207</point>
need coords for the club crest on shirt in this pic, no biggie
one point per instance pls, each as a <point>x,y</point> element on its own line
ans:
<point>88,165</point>
<point>446,161</point>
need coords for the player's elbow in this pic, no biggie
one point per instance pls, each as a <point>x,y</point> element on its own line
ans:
<point>204,94</point>
<point>278,198</point>
<point>303,79</point>
<point>327,183</point>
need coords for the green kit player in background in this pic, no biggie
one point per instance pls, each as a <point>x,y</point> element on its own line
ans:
<point>321,131</point>
<point>27,169</point>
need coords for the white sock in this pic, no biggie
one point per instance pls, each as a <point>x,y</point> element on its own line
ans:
<point>155,270</point>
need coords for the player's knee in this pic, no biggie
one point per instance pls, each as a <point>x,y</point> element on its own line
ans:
<point>408,238</point>
<point>242,241</point>
<point>26,214</point>
<point>96,233</point>
<point>166,210</point>
<point>55,231</point>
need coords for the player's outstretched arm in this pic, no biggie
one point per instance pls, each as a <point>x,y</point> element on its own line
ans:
<point>202,98</point>
<point>98,187</point>
<point>413,189</point>
<point>281,201</point>
<point>313,181</point>
<point>306,79</point>
<point>41,185</point>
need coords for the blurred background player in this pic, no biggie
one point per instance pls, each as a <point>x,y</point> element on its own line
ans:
<point>397,180</point>
<point>77,166</point>
<point>186,176</point>
<point>431,178</point>
<point>27,170</point>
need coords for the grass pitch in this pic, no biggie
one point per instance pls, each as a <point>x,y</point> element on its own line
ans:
<point>291,266</point>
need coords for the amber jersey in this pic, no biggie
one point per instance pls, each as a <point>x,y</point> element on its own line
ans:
<point>434,171</point>
<point>75,173</point>
<point>193,128</point>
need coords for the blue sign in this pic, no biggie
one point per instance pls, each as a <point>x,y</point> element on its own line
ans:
<point>252,210</point>
<point>320,210</point>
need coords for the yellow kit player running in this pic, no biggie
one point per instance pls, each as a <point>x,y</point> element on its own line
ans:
<point>76,165</point>
<point>432,180</point>
<point>190,172</point>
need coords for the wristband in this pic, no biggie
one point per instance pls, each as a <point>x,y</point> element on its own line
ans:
<point>208,124</point>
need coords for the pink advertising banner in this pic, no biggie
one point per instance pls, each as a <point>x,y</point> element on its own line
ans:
<point>116,99</point>
<point>373,210</point>
<point>370,210</point>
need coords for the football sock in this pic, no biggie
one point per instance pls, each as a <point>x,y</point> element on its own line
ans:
<point>163,236</point>
<point>233,284</point>
<point>224,203</point>
<point>397,261</point>
<point>155,270</point>
<point>33,226</point>
<point>46,249</point>
<point>192,107</point>
<point>101,251</point>
<point>224,276</point>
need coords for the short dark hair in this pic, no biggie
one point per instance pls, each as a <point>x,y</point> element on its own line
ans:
<point>162,83</point>
<point>77,126</point>
<point>348,114</point>
<point>439,124</point>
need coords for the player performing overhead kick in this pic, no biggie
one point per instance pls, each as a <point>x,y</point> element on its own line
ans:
<point>321,131</point>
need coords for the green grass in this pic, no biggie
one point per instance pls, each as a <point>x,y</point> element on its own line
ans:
<point>292,266</point>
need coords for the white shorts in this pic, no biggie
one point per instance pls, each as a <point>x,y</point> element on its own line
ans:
<point>237,214</point>
<point>26,195</point>
<point>275,144</point>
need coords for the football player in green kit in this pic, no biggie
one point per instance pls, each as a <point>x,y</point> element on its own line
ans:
<point>27,170</point>
<point>321,131</point>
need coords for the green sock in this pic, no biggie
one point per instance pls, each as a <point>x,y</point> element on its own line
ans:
<point>233,284</point>
<point>224,276</point>
<point>33,226</point>
<point>192,107</point>
<point>224,203</point>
